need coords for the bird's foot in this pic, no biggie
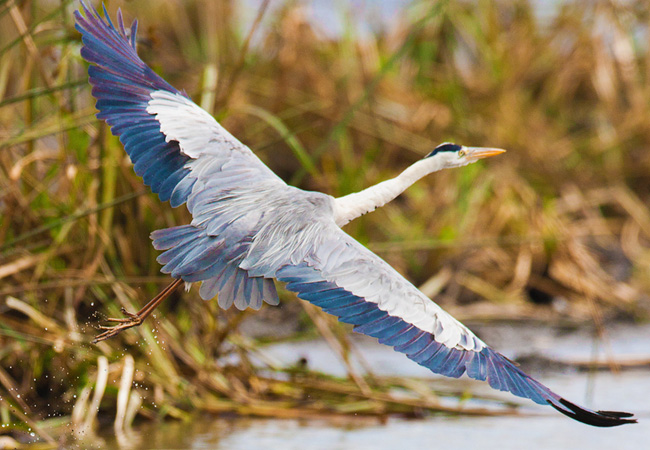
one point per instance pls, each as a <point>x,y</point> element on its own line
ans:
<point>123,323</point>
<point>135,319</point>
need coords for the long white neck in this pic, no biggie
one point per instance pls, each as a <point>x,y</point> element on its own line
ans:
<point>351,206</point>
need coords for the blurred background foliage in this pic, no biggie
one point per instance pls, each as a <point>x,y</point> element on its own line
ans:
<point>557,229</point>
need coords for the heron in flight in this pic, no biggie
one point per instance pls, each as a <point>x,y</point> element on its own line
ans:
<point>250,228</point>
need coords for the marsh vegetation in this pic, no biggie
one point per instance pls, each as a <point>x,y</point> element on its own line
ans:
<point>555,231</point>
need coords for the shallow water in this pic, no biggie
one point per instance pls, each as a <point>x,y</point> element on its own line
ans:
<point>538,428</point>
<point>503,433</point>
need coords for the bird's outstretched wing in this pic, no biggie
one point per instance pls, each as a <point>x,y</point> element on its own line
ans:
<point>349,281</point>
<point>184,155</point>
<point>162,130</point>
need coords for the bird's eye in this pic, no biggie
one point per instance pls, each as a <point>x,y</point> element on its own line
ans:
<point>461,153</point>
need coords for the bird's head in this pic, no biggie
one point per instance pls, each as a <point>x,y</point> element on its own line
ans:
<point>448,155</point>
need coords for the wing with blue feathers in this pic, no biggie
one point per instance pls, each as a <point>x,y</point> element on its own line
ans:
<point>166,135</point>
<point>349,281</point>
<point>185,156</point>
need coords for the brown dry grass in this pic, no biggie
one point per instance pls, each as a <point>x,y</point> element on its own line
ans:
<point>563,215</point>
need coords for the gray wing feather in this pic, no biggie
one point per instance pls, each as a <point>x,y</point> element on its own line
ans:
<point>308,235</point>
<point>224,202</point>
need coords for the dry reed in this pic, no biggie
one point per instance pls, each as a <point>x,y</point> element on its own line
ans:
<point>562,215</point>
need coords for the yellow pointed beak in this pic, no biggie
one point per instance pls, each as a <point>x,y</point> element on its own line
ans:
<point>482,152</point>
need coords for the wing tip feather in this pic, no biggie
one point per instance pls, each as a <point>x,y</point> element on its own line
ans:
<point>601,419</point>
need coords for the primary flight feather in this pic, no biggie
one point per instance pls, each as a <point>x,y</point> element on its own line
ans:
<point>249,227</point>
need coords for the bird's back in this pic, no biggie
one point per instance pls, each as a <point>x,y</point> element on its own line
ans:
<point>236,228</point>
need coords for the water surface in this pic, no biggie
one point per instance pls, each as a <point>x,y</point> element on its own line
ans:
<point>538,427</point>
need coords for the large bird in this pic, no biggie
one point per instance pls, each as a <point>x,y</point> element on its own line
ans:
<point>249,227</point>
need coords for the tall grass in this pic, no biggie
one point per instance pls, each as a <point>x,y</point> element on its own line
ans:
<point>563,215</point>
